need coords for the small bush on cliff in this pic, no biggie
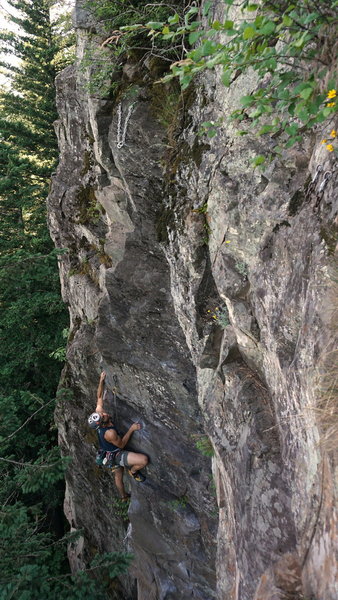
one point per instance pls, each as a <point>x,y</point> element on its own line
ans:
<point>204,445</point>
<point>111,16</point>
<point>122,32</point>
<point>220,315</point>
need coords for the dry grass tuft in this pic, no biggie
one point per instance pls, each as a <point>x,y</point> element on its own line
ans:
<point>327,375</point>
<point>327,405</point>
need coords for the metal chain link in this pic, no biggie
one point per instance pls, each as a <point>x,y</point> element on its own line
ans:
<point>122,131</point>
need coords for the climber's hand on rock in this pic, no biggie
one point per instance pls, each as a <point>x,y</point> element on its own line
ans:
<point>135,427</point>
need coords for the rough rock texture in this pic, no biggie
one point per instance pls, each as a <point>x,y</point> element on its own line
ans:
<point>160,233</point>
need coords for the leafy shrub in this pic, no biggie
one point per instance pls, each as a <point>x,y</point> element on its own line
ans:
<point>123,30</point>
<point>220,315</point>
<point>291,46</point>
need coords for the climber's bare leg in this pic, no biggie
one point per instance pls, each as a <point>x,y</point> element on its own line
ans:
<point>137,461</point>
<point>118,475</point>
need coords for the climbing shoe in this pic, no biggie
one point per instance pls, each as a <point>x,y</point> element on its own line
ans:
<point>125,498</point>
<point>137,476</point>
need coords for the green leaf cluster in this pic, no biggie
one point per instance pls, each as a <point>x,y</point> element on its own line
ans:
<point>291,46</point>
<point>125,28</point>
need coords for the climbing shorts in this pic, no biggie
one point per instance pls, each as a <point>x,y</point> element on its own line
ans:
<point>121,458</point>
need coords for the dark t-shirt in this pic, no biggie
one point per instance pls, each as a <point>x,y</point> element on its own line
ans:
<point>103,443</point>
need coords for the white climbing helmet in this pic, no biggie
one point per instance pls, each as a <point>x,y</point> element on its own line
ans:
<point>94,420</point>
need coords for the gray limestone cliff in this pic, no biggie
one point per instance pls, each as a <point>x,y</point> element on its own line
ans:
<point>204,289</point>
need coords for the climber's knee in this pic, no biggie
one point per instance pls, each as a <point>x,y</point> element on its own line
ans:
<point>136,459</point>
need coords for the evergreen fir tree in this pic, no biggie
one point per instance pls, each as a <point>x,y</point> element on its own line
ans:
<point>32,320</point>
<point>29,288</point>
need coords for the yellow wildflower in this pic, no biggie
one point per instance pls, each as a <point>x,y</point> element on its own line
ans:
<point>227,242</point>
<point>331,104</point>
<point>333,133</point>
<point>330,147</point>
<point>331,94</point>
<point>323,142</point>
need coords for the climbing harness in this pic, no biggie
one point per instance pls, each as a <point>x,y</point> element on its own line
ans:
<point>109,459</point>
<point>122,129</point>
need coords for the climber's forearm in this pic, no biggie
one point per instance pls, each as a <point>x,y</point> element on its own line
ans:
<point>126,437</point>
<point>99,402</point>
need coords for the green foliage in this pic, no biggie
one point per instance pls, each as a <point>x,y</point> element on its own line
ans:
<point>220,315</point>
<point>60,353</point>
<point>89,209</point>
<point>179,503</point>
<point>209,128</point>
<point>97,61</point>
<point>38,579</point>
<point>120,508</point>
<point>30,495</point>
<point>202,210</point>
<point>165,105</point>
<point>241,268</point>
<point>291,46</point>
<point>131,16</point>
<point>122,31</point>
<point>257,161</point>
<point>204,445</point>
<point>27,320</point>
<point>29,286</point>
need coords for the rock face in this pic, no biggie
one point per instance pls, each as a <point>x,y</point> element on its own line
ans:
<point>202,287</point>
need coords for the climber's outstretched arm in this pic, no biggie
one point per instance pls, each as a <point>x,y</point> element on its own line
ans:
<point>99,402</point>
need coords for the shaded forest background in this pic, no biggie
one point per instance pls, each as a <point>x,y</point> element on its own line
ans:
<point>33,321</point>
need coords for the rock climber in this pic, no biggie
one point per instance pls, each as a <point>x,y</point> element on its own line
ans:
<point>110,440</point>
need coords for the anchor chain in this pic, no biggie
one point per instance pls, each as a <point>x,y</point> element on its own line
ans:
<point>122,129</point>
<point>326,179</point>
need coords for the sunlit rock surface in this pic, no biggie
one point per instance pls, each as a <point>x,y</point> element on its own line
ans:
<point>164,234</point>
